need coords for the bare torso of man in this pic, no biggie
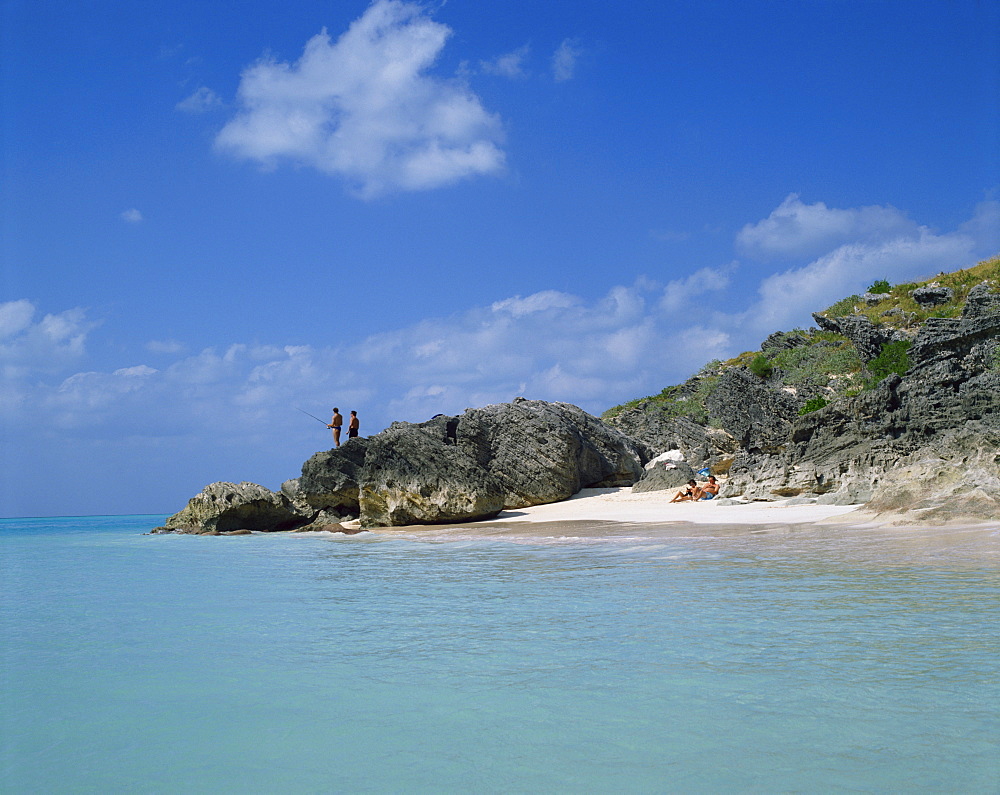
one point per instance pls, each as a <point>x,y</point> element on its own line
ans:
<point>335,424</point>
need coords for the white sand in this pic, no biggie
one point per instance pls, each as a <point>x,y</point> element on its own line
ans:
<point>619,514</point>
<point>622,505</point>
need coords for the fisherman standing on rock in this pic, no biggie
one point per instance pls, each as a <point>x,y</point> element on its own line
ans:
<point>335,423</point>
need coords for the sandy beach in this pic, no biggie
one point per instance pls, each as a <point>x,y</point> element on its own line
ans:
<point>623,505</point>
<point>619,513</point>
<point>616,516</point>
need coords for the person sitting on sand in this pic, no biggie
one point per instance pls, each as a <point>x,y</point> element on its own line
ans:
<point>708,491</point>
<point>687,493</point>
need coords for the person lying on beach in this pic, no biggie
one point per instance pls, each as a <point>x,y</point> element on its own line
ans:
<point>708,491</point>
<point>687,493</point>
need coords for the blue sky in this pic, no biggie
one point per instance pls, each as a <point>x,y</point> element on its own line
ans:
<point>216,214</point>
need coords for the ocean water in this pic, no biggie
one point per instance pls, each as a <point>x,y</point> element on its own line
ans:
<point>553,658</point>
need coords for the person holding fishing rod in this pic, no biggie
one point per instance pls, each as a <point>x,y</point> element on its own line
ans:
<point>335,423</point>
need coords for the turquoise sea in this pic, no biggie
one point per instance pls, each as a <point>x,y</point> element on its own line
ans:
<point>552,658</point>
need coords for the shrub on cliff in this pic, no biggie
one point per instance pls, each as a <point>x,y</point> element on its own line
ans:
<point>894,358</point>
<point>815,404</point>
<point>761,367</point>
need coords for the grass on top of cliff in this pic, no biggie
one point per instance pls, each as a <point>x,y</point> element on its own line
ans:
<point>817,364</point>
<point>681,400</point>
<point>898,310</point>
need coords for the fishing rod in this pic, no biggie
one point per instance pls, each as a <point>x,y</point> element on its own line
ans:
<point>313,416</point>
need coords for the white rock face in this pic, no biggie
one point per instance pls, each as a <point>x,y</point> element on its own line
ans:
<point>670,455</point>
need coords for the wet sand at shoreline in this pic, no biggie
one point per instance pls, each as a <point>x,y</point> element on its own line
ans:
<point>618,515</point>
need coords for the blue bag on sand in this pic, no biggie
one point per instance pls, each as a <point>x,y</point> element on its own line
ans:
<point>704,472</point>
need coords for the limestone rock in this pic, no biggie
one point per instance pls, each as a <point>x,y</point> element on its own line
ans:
<point>658,431</point>
<point>670,456</point>
<point>511,455</point>
<point>411,477</point>
<point>953,340</point>
<point>932,294</point>
<point>449,469</point>
<point>866,337</point>
<point>757,416</point>
<point>330,479</point>
<point>665,475</point>
<point>543,452</point>
<point>871,299</point>
<point>290,488</point>
<point>958,477</point>
<point>783,340</point>
<point>983,301</point>
<point>925,443</point>
<point>226,507</point>
<point>835,498</point>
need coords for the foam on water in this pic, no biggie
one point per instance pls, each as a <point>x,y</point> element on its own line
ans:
<point>515,658</point>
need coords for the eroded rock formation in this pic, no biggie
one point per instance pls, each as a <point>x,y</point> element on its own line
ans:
<point>448,469</point>
<point>231,508</point>
<point>926,442</point>
<point>912,426</point>
<point>665,475</point>
<point>413,477</point>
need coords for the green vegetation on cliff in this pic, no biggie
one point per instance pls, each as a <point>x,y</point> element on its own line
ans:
<point>821,366</point>
<point>897,308</point>
<point>892,359</point>
<point>682,400</point>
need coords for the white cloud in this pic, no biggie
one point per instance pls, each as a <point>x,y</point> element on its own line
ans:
<point>32,350</point>
<point>510,64</point>
<point>132,216</point>
<point>43,345</point>
<point>984,226</point>
<point>550,344</point>
<point>564,60</point>
<point>365,109</point>
<point>797,230</point>
<point>15,316</point>
<point>164,346</point>
<point>537,302</point>
<point>201,101</point>
<point>680,294</point>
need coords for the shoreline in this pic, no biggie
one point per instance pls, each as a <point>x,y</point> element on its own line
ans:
<point>621,506</point>
<point>617,516</point>
<point>597,512</point>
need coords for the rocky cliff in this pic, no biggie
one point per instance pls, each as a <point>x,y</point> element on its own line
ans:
<point>448,469</point>
<point>893,400</point>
